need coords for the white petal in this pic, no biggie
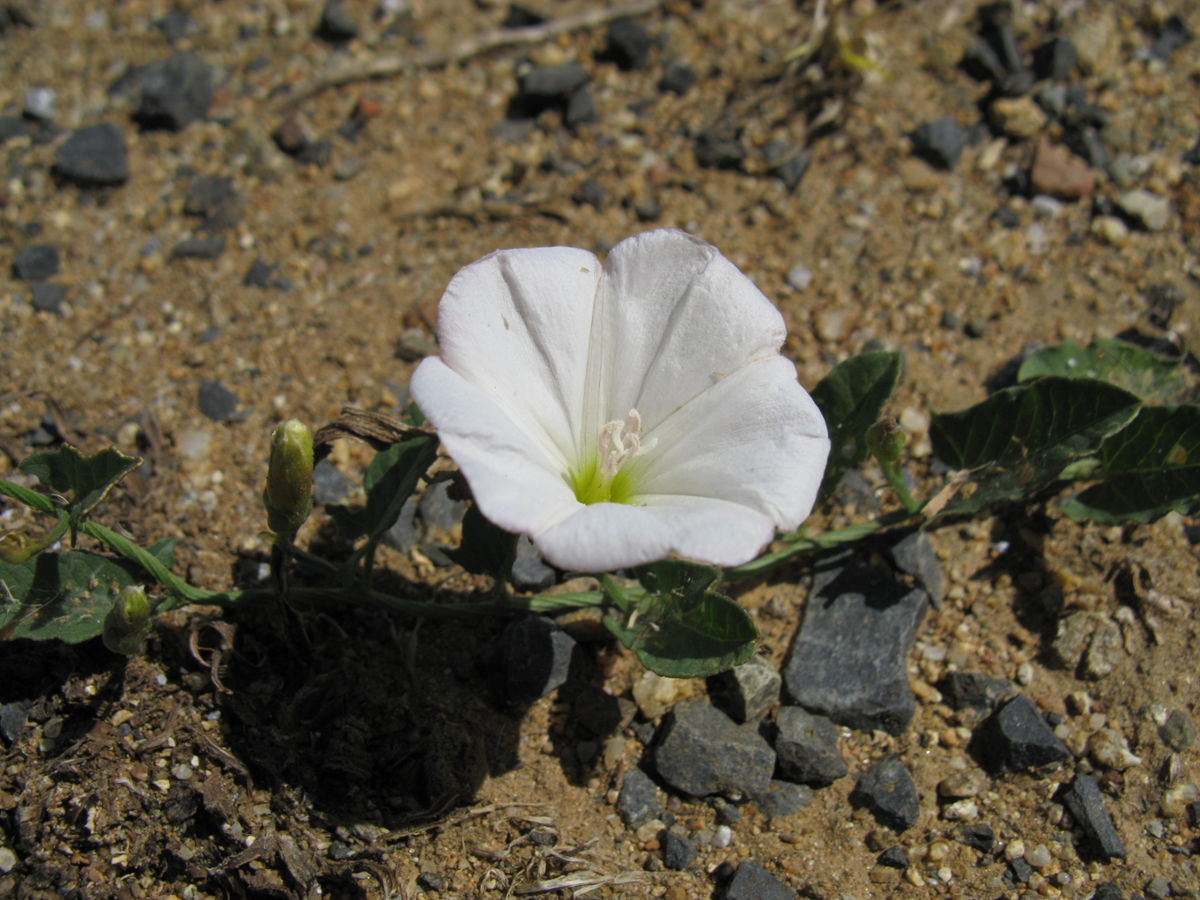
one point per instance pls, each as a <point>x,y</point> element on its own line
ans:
<point>672,317</point>
<point>755,438</point>
<point>516,325</point>
<point>516,486</point>
<point>608,536</point>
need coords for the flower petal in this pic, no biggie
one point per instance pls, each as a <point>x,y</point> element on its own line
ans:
<point>754,438</point>
<point>516,324</point>
<point>515,484</point>
<point>672,317</point>
<point>608,536</point>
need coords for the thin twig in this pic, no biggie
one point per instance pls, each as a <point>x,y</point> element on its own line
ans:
<point>396,64</point>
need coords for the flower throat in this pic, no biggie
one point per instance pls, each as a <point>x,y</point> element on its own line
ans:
<point>604,476</point>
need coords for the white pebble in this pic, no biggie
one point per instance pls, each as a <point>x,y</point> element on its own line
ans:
<point>722,836</point>
<point>799,277</point>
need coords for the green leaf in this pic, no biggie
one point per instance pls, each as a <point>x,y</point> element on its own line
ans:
<point>1147,470</point>
<point>390,479</point>
<point>1153,378</point>
<point>32,499</point>
<point>486,549</point>
<point>851,398</point>
<point>65,596</point>
<point>88,478</point>
<point>680,628</point>
<point>1020,440</point>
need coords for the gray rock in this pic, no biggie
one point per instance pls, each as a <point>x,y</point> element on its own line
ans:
<point>1175,33</point>
<point>940,142</point>
<point>1105,650</point>
<point>677,79</point>
<point>1177,732</point>
<point>38,103</point>
<point>978,836</point>
<point>37,263</point>
<point>438,510</point>
<point>330,485</point>
<point>199,247</point>
<point>216,401</point>
<point>529,572</point>
<point>405,534</point>
<point>1071,639</point>
<point>93,157</point>
<point>703,752</point>
<point>261,274</point>
<point>793,169</point>
<point>336,25</point>
<point>847,662</point>
<point>176,24</point>
<point>1145,209</point>
<point>214,199</point>
<point>553,81</point>
<point>783,798</point>
<point>1015,737</point>
<point>628,44</point>
<point>807,747</point>
<point>591,193</point>
<point>1108,890</point>
<point>894,857</point>
<point>46,296</point>
<point>581,109</point>
<point>1158,888</point>
<point>973,690</point>
<point>1083,798</point>
<point>914,555</point>
<point>600,712</point>
<point>752,882</point>
<point>716,150</point>
<point>175,92</point>
<point>637,801</point>
<point>1055,59</point>
<point>752,688</point>
<point>799,277</point>
<point>534,657</point>
<point>13,717</point>
<point>888,791</point>
<point>678,852</point>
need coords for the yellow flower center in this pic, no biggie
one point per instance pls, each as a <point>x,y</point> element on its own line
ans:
<point>604,476</point>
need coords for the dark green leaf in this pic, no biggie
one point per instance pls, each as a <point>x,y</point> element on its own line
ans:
<point>677,578</point>
<point>1019,440</point>
<point>1150,376</point>
<point>88,478</point>
<point>32,499</point>
<point>711,635</point>
<point>851,398</point>
<point>62,595</point>
<point>486,549</point>
<point>1147,470</point>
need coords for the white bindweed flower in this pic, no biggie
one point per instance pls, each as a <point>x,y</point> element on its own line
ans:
<point>619,414</point>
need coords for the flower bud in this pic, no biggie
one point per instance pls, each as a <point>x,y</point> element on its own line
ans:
<point>885,440</point>
<point>128,622</point>
<point>288,494</point>
<point>16,548</point>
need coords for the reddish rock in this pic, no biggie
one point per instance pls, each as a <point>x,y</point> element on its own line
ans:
<point>1059,173</point>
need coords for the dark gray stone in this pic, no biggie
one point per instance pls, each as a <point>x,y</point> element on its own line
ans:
<point>1174,35</point>
<point>13,717</point>
<point>888,791</point>
<point>648,209</point>
<point>404,535</point>
<point>521,17</point>
<point>677,79</point>
<point>331,486</point>
<point>783,798</point>
<point>637,801</point>
<point>895,857</point>
<point>438,510</point>
<point>914,555</point>
<point>214,199</point>
<point>750,689</point>
<point>716,150</point>
<point>93,156</point>
<point>940,142</point>
<point>529,572</point>
<point>336,25</point>
<point>752,882</point>
<point>1020,870</point>
<point>534,658</point>
<point>847,662</point>
<point>1055,59</point>
<point>199,247</point>
<point>553,81</point>
<point>794,169</point>
<point>37,263</point>
<point>1083,798</point>
<point>628,44</point>
<point>1108,891</point>
<point>261,274</point>
<point>1177,732</point>
<point>591,193</point>
<point>703,752</point>
<point>599,711</point>
<point>1015,737</point>
<point>973,690</point>
<point>175,92</point>
<point>678,852</point>
<point>217,402</point>
<point>176,24</point>
<point>978,836</point>
<point>581,109</point>
<point>47,296</point>
<point>807,747</point>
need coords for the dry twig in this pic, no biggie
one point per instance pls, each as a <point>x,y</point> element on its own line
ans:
<point>397,64</point>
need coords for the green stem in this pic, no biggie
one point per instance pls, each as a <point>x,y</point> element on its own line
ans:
<point>895,478</point>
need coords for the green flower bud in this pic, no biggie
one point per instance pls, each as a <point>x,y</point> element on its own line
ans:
<point>288,494</point>
<point>16,548</point>
<point>128,622</point>
<point>885,440</point>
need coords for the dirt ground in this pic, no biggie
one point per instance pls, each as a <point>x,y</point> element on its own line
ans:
<point>380,764</point>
